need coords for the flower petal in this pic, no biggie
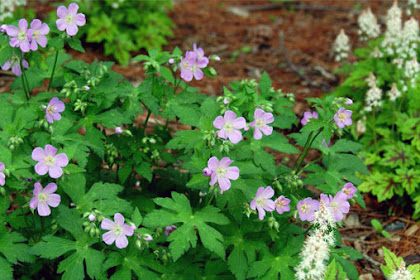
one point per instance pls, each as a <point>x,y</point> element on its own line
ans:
<point>61,160</point>
<point>129,231</point>
<point>50,150</point>
<point>43,209</point>
<point>235,136</point>
<point>107,224</point>
<point>233,173</point>
<point>224,184</point>
<point>62,12</point>
<point>213,163</point>
<point>219,122</point>
<point>34,202</point>
<point>50,188</point>
<point>80,19</point>
<point>38,154</point>
<point>54,200</point>
<point>119,219</point>
<point>121,241</point>
<point>225,161</point>
<point>229,116</point>
<point>41,168</point>
<point>61,24</point>
<point>239,123</point>
<point>108,237</point>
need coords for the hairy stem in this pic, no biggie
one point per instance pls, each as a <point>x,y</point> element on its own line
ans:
<point>306,148</point>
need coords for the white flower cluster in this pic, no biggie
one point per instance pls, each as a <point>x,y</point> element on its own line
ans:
<point>393,29</point>
<point>409,39</point>
<point>411,70</point>
<point>361,126</point>
<point>341,46</point>
<point>316,249</point>
<point>7,7</point>
<point>368,25</point>
<point>373,95</point>
<point>401,273</point>
<point>394,93</point>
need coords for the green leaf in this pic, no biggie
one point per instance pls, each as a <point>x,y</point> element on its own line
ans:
<point>145,170</point>
<point>178,210</point>
<point>136,217</point>
<point>75,44</point>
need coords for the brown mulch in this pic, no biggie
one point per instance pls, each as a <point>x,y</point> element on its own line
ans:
<point>308,29</point>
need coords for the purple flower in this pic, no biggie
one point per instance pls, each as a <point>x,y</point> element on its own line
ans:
<point>118,130</point>
<point>202,61</point>
<point>349,190</point>
<point>222,173</point>
<point>307,116</point>
<point>2,176</point>
<point>39,30</point>
<point>118,231</point>
<point>282,204</point>
<point>169,229</point>
<point>262,201</point>
<point>207,172</point>
<point>307,208</point>
<point>348,102</point>
<point>261,119</point>
<point>343,117</point>
<point>15,65</point>
<point>44,198</point>
<point>229,126</point>
<point>69,19</point>
<point>49,161</point>
<point>54,108</point>
<point>338,205</point>
<point>20,37</point>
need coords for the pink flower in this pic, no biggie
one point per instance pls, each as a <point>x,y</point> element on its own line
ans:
<point>338,205</point>
<point>118,130</point>
<point>307,116</point>
<point>118,231</point>
<point>349,190</point>
<point>262,201</point>
<point>307,208</point>
<point>229,126</point>
<point>2,176</point>
<point>261,119</point>
<point>49,161</point>
<point>348,102</point>
<point>44,198</point>
<point>186,66</point>
<point>222,173</point>
<point>39,30</point>
<point>343,118</point>
<point>69,19</point>
<point>20,37</point>
<point>54,108</point>
<point>169,229</point>
<point>202,61</point>
<point>282,204</point>
<point>15,65</point>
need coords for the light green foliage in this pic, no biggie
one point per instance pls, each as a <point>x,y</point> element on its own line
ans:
<point>394,263</point>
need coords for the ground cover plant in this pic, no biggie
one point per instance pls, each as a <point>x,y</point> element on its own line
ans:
<point>91,192</point>
<point>383,84</point>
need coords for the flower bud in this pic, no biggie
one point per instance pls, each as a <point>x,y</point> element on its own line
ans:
<point>147,237</point>
<point>119,130</point>
<point>138,243</point>
<point>92,217</point>
<point>92,232</point>
<point>171,61</point>
<point>207,172</point>
<point>215,57</point>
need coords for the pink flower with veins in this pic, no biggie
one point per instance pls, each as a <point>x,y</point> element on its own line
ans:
<point>44,198</point>
<point>118,231</point>
<point>49,162</point>
<point>349,190</point>
<point>230,126</point>
<point>20,37</point>
<point>262,201</point>
<point>307,208</point>
<point>261,119</point>
<point>282,204</point>
<point>222,173</point>
<point>53,110</point>
<point>343,118</point>
<point>69,19</point>
<point>39,30</point>
<point>338,205</point>
<point>2,176</point>
<point>202,61</point>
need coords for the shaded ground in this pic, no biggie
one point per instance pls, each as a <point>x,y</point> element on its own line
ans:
<point>309,29</point>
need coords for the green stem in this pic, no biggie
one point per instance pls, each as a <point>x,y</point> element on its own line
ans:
<point>373,130</point>
<point>147,120</point>
<point>211,198</point>
<point>53,71</point>
<point>23,77</point>
<point>306,148</point>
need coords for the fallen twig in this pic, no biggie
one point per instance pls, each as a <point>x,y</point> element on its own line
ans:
<point>266,7</point>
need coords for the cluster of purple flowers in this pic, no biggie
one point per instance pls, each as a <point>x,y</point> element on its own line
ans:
<point>192,64</point>
<point>262,202</point>
<point>27,38</point>
<point>230,126</point>
<point>337,205</point>
<point>342,118</point>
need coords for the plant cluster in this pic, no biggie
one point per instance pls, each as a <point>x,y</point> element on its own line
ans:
<point>125,26</point>
<point>384,87</point>
<point>89,191</point>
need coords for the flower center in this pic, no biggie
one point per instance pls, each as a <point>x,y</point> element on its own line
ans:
<point>334,206</point>
<point>36,34</point>
<point>260,123</point>
<point>43,197</point>
<point>51,110</point>
<point>221,172</point>
<point>342,117</point>
<point>22,36</point>
<point>228,127</point>
<point>261,201</point>
<point>280,203</point>
<point>49,161</point>
<point>117,230</point>
<point>304,208</point>
<point>69,19</point>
